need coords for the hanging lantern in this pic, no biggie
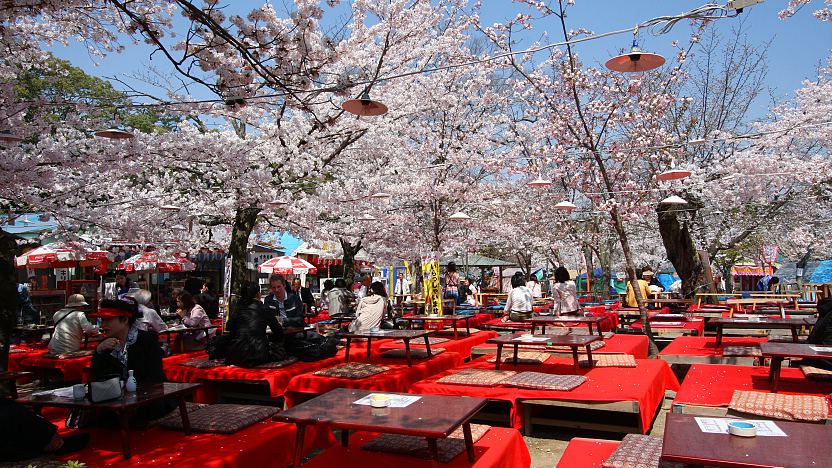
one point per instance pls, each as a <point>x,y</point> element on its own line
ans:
<point>565,206</point>
<point>635,61</point>
<point>459,216</point>
<point>540,182</point>
<point>364,106</point>
<point>114,134</point>
<point>673,174</point>
<point>674,200</point>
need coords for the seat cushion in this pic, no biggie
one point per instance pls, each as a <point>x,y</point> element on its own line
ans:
<point>352,370</point>
<point>610,360</point>
<point>221,419</point>
<point>203,363</point>
<point>780,406</point>
<point>480,377</point>
<point>449,447</point>
<point>541,381</point>
<point>523,357</point>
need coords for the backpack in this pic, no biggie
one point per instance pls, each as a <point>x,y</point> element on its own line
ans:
<point>313,347</point>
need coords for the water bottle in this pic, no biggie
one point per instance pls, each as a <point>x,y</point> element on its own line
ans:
<point>130,385</point>
<point>98,323</point>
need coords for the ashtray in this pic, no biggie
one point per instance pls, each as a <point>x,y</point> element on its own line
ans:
<point>379,401</point>
<point>742,429</point>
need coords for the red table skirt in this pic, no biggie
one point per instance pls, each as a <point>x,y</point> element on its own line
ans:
<point>636,345</point>
<point>73,370</point>
<point>697,327</point>
<point>714,384</point>
<point>586,453</point>
<point>277,379</point>
<point>705,345</point>
<point>266,443</point>
<point>645,383</point>
<point>499,447</point>
<point>16,358</point>
<point>461,345</point>
<point>398,379</point>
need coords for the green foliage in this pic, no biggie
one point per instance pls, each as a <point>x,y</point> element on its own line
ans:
<point>73,464</point>
<point>57,81</point>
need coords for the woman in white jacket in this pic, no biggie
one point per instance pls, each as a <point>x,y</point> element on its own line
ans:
<point>371,310</point>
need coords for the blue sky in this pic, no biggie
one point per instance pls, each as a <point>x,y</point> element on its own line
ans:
<point>798,45</point>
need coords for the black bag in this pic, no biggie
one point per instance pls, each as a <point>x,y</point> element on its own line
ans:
<point>313,347</point>
<point>217,346</point>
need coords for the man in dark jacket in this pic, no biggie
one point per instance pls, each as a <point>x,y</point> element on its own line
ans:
<point>821,333</point>
<point>305,295</point>
<point>208,300</point>
<point>249,344</point>
<point>283,304</point>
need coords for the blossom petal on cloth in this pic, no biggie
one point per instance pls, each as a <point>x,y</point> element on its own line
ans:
<point>610,360</point>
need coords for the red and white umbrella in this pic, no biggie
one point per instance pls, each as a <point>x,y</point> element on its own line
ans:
<point>286,266</point>
<point>63,254</point>
<point>156,261</point>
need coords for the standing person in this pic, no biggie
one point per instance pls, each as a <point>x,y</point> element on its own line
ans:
<point>451,283</point>
<point>401,288</point>
<point>371,310</point>
<point>643,286</point>
<point>27,313</point>
<point>249,344</point>
<point>193,316</point>
<point>149,319</point>
<point>364,289</point>
<point>305,296</point>
<point>653,283</point>
<point>70,325</point>
<point>472,292</point>
<point>328,285</point>
<point>339,299</point>
<point>564,293</point>
<point>283,304</point>
<point>519,303</point>
<point>122,286</point>
<point>534,286</point>
<point>208,300</point>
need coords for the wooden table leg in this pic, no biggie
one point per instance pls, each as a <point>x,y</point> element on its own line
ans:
<point>598,326</point>
<point>776,363</point>
<point>499,355</point>
<point>369,348</point>
<point>516,346</point>
<point>469,441</point>
<point>589,354</point>
<point>407,353</point>
<point>718,336</point>
<point>347,352</point>
<point>575,356</point>
<point>794,334</point>
<point>468,325</point>
<point>456,335</point>
<point>124,429</point>
<point>299,435</point>
<point>345,438</point>
<point>427,346</point>
<point>433,449</point>
<point>542,328</point>
<point>183,412</point>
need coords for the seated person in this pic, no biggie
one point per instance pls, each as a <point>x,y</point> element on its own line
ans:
<point>27,435</point>
<point>193,316</point>
<point>208,300</point>
<point>371,310</point>
<point>249,345</point>
<point>644,288</point>
<point>519,302</point>
<point>128,348</point>
<point>70,325</point>
<point>339,299</point>
<point>821,333</point>
<point>283,304</point>
<point>305,295</point>
<point>149,319</point>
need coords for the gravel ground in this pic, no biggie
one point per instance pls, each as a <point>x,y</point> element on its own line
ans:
<point>548,444</point>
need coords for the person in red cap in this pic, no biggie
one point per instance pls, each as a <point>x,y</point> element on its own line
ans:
<point>126,346</point>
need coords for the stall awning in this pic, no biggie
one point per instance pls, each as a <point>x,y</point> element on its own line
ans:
<point>747,270</point>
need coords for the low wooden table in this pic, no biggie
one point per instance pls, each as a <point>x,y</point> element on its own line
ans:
<point>589,321</point>
<point>804,445</point>
<point>431,416</point>
<point>25,332</point>
<point>444,318</point>
<point>573,341</point>
<point>764,323</point>
<point>123,407</point>
<point>405,335</point>
<point>12,377</point>
<point>779,351</point>
<point>179,346</point>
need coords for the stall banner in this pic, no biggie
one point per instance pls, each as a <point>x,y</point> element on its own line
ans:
<point>433,290</point>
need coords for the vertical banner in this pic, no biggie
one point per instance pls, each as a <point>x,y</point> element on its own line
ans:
<point>433,291</point>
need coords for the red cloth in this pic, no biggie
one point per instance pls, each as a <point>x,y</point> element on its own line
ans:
<point>398,379</point>
<point>277,379</point>
<point>714,384</point>
<point>73,370</point>
<point>611,319</point>
<point>586,453</point>
<point>498,322</point>
<point>479,319</point>
<point>645,383</point>
<point>266,443</point>
<point>16,358</point>
<point>637,345</point>
<point>698,326</point>
<point>705,345</point>
<point>317,318</point>
<point>499,447</point>
<point>461,345</point>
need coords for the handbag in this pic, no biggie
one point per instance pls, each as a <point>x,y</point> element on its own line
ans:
<point>109,388</point>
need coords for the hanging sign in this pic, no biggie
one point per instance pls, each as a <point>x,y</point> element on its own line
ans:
<point>432,288</point>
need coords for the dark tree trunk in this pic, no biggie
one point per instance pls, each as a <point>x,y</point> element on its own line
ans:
<point>350,251</point>
<point>417,276</point>
<point>525,262</point>
<point>801,264</point>
<point>244,221</point>
<point>9,298</point>
<point>682,252</point>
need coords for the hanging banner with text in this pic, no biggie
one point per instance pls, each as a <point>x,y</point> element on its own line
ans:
<point>433,290</point>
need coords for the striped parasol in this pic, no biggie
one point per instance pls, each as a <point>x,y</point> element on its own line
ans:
<point>63,254</point>
<point>286,266</point>
<point>155,261</point>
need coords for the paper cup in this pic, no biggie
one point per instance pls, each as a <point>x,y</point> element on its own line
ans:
<point>379,401</point>
<point>742,429</point>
